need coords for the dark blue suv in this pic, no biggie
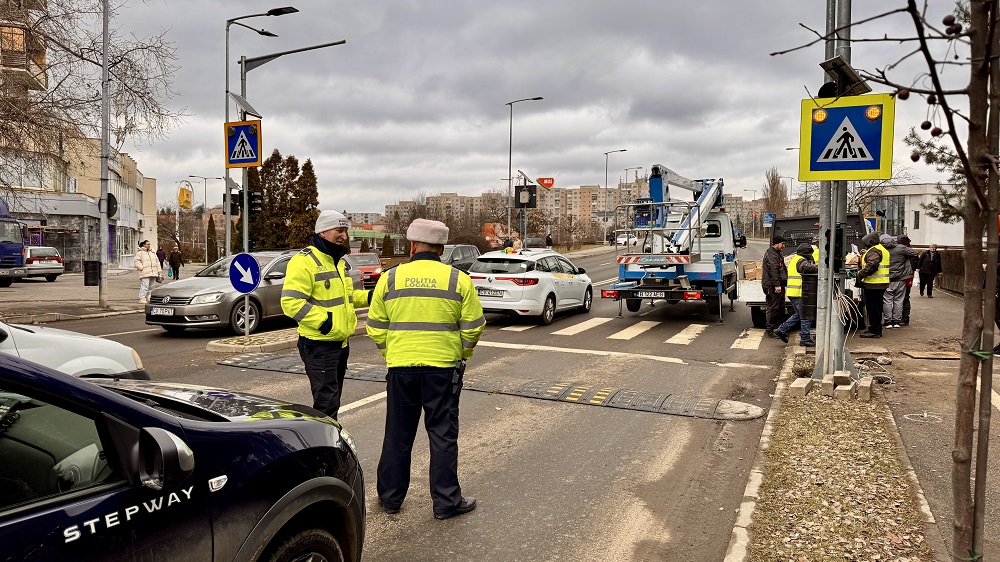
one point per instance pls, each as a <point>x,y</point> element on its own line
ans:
<point>104,469</point>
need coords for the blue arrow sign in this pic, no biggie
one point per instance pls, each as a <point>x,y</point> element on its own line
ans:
<point>244,273</point>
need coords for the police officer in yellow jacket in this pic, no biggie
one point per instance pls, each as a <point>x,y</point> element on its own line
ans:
<point>320,296</point>
<point>426,319</point>
<point>873,278</point>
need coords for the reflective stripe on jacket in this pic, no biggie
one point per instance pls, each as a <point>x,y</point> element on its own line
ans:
<point>881,275</point>
<point>425,313</point>
<point>314,286</point>
<point>794,277</point>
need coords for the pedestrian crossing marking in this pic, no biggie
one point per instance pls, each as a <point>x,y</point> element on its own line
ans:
<point>243,149</point>
<point>687,335</point>
<point>517,328</point>
<point>845,145</point>
<point>581,327</point>
<point>633,331</point>
<point>749,339</point>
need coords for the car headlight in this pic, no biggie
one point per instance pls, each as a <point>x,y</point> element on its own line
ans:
<point>210,297</point>
<point>349,440</point>
<point>378,270</point>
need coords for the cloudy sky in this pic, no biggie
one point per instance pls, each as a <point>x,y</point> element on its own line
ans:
<point>415,100</point>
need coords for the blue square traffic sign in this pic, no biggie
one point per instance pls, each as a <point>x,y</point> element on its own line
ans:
<point>243,144</point>
<point>848,138</point>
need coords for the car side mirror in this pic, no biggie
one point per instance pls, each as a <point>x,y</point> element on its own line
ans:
<point>275,275</point>
<point>581,270</point>
<point>164,459</point>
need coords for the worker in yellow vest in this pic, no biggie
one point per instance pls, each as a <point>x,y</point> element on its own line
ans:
<point>873,278</point>
<point>320,296</point>
<point>801,262</point>
<point>425,319</point>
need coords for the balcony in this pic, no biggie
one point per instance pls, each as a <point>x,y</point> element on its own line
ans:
<point>22,58</point>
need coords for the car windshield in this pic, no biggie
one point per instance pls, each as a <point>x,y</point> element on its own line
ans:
<point>10,232</point>
<point>364,259</point>
<point>446,256</point>
<point>221,267</point>
<point>500,265</point>
<point>44,253</point>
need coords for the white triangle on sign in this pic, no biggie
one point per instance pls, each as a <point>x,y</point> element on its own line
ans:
<point>243,149</point>
<point>845,146</point>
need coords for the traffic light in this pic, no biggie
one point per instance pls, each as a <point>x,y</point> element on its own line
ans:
<point>838,248</point>
<point>256,202</point>
<point>234,206</point>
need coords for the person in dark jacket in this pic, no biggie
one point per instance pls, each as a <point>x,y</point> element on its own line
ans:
<point>162,256</point>
<point>902,260</point>
<point>801,263</point>
<point>929,265</point>
<point>873,278</point>
<point>904,240</point>
<point>176,260</point>
<point>774,279</point>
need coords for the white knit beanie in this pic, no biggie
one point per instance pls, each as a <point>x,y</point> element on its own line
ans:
<point>331,219</point>
<point>427,231</point>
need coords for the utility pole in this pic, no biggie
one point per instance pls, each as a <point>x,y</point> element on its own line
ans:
<point>102,285</point>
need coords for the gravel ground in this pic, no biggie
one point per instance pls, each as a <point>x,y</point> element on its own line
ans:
<point>835,488</point>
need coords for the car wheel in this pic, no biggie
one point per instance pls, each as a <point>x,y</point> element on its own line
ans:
<point>237,315</point>
<point>6,281</point>
<point>548,311</point>
<point>312,545</point>
<point>633,305</point>
<point>51,277</point>
<point>588,301</point>
<point>175,329</point>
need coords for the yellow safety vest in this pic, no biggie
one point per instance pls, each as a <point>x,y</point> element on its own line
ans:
<point>881,275</point>
<point>794,287</point>
<point>425,313</point>
<point>314,286</point>
<point>815,254</point>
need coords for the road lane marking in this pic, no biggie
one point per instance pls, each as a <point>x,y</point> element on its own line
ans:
<point>126,333</point>
<point>633,331</point>
<point>362,402</point>
<point>530,347</point>
<point>582,326</point>
<point>749,339</point>
<point>687,335</point>
<point>605,263</point>
<point>518,328</point>
<point>606,281</point>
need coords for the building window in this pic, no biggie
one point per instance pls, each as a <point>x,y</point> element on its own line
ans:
<point>916,220</point>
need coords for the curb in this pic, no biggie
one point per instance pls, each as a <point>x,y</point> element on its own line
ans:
<point>47,317</point>
<point>283,343</point>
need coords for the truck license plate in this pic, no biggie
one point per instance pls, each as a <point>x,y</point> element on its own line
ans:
<point>651,294</point>
<point>487,292</point>
<point>161,312</point>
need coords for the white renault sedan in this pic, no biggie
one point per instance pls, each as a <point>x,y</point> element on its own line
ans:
<point>531,282</point>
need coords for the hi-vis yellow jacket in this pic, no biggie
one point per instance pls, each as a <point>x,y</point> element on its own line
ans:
<point>425,313</point>
<point>794,288</point>
<point>881,275</point>
<point>314,286</point>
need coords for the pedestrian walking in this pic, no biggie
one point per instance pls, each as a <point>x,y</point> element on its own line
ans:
<point>507,242</point>
<point>548,241</point>
<point>801,263</point>
<point>149,269</point>
<point>901,262</point>
<point>162,256</point>
<point>426,319</point>
<point>912,257</point>
<point>176,260</point>
<point>929,265</point>
<point>774,279</point>
<point>320,296</point>
<point>873,278</point>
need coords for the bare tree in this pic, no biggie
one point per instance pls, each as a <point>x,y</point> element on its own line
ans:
<point>774,193</point>
<point>968,37</point>
<point>494,205</point>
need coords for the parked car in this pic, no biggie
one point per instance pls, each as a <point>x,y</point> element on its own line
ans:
<point>369,267</point>
<point>110,469</point>
<point>208,299</point>
<point>534,243</point>
<point>43,261</point>
<point>460,256</point>
<point>531,283</point>
<point>626,240</point>
<point>76,354</point>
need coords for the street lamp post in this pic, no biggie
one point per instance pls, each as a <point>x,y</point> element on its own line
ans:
<point>753,219</point>
<point>791,190</point>
<point>205,185</point>
<point>636,168</point>
<point>229,22</point>
<point>607,200</point>
<point>510,158</point>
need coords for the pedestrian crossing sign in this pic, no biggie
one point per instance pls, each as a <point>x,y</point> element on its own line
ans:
<point>848,138</point>
<point>243,144</point>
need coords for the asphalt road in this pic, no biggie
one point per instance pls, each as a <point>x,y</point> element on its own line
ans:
<point>555,480</point>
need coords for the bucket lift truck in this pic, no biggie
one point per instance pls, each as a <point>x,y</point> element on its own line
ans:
<point>685,250</point>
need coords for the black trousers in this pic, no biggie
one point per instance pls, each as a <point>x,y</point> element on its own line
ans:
<point>775,307</point>
<point>410,390</point>
<point>873,305</point>
<point>927,281</point>
<point>326,366</point>
<point>906,304</point>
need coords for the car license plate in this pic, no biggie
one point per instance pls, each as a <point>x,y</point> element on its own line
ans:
<point>487,292</point>
<point>50,262</point>
<point>651,294</point>
<point>161,312</point>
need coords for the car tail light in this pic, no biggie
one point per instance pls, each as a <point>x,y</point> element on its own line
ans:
<point>519,281</point>
<point>606,294</point>
<point>477,277</point>
<point>692,295</point>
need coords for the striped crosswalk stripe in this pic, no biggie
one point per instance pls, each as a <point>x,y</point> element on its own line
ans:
<point>517,328</point>
<point>749,339</point>
<point>633,331</point>
<point>581,327</point>
<point>687,335</point>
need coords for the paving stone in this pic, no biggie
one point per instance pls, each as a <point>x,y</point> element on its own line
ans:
<point>845,391</point>
<point>800,387</point>
<point>865,389</point>
<point>828,386</point>
<point>841,377</point>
